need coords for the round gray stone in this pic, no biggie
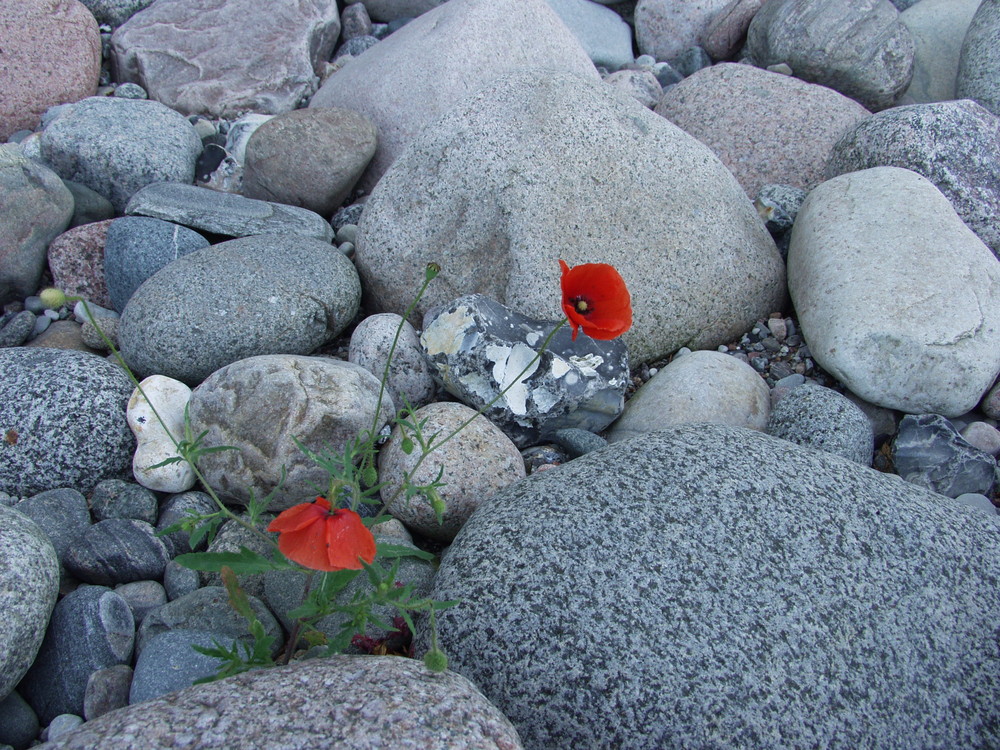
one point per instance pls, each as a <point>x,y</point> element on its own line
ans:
<point>265,294</point>
<point>116,498</point>
<point>820,418</point>
<point>410,380</point>
<point>979,64</point>
<point>63,417</point>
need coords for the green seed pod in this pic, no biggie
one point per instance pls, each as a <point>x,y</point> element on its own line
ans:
<point>52,298</point>
<point>435,660</point>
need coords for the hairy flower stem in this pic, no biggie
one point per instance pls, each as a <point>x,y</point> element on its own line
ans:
<point>293,635</point>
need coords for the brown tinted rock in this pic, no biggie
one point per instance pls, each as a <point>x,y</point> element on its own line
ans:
<point>766,127</point>
<point>727,31</point>
<point>225,59</point>
<point>310,158</point>
<point>50,53</point>
<point>76,259</point>
<point>412,77</point>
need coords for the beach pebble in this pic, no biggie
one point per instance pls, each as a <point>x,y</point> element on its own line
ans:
<point>410,381</point>
<point>142,597</point>
<point>16,329</point>
<point>820,418</point>
<point>665,29</point>
<point>641,85</point>
<point>991,402</point>
<point>175,509</point>
<point>979,62</point>
<point>117,146</point>
<point>240,131</point>
<point>478,348</point>
<point>355,21</point>
<point>88,205</point>
<point>118,550</point>
<point>115,12</point>
<point>602,33</point>
<point>894,293</point>
<point>702,386</point>
<point>179,581</point>
<point>107,689</point>
<point>983,436</point>
<point>116,498</point>
<point>929,451</point>
<point>18,722</point>
<point>63,514</point>
<point>159,398</point>
<point>727,30</point>
<point>76,260</point>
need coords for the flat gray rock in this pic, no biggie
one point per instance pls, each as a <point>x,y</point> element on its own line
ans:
<point>169,662</point>
<point>63,417</point>
<point>265,294</point>
<point>710,586</point>
<point>226,213</point>
<point>118,550</point>
<point>955,145</point>
<point>224,59</point>
<point>29,585</point>
<point>341,703</point>
<point>978,75</point>
<point>115,146</point>
<point>525,173</point>
<point>63,514</point>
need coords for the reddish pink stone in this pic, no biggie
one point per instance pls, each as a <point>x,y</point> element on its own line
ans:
<point>50,53</point>
<point>76,259</point>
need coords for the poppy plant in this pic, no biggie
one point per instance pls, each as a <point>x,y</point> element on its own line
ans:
<point>595,298</point>
<point>322,539</point>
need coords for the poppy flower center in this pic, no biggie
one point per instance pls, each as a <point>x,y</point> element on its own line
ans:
<point>581,305</point>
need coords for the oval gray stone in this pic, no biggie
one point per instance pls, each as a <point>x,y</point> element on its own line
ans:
<point>118,550</point>
<point>63,514</point>
<point>265,294</point>
<point>820,418</point>
<point>782,596</point>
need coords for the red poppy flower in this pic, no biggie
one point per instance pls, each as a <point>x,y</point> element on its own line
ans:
<point>595,298</point>
<point>318,538</point>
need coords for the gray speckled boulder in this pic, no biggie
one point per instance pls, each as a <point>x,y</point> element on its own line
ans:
<point>29,584</point>
<point>710,586</point>
<point>262,405</point>
<point>35,206</point>
<point>665,29</point>
<point>522,173</point>
<point>62,414</point>
<point>341,703</point>
<point>955,145</point>
<point>857,47</point>
<point>250,296</point>
<point>116,146</point>
<point>820,418</point>
<point>979,64</point>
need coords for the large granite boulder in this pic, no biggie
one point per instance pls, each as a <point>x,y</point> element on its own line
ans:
<point>415,75</point>
<point>544,166</point>
<point>711,586</point>
<point>224,59</point>
<point>896,296</point>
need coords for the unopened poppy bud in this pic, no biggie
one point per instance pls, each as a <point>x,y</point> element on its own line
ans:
<point>435,660</point>
<point>52,298</point>
<point>433,269</point>
<point>438,505</point>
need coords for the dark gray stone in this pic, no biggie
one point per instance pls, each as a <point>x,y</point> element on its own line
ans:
<point>18,722</point>
<point>175,509</point>
<point>91,628</point>
<point>116,146</point>
<point>107,689</point>
<point>29,584</point>
<point>711,586</point>
<point>355,46</point>
<point>118,550</point>
<point>355,21</point>
<point>477,346</point>
<point>168,662</point>
<point>142,597</point>
<point>258,295</point>
<point>979,65</point>
<point>137,247</point>
<point>227,214</point>
<point>63,514</point>
<point>577,442</point>
<point>115,12</point>
<point>88,205</point>
<point>17,328</point>
<point>820,418</point>
<point>63,417</point>
<point>690,61</point>
<point>955,145</point>
<point>207,609</point>
<point>179,581</point>
<point>116,498</point>
<point>60,725</point>
<point>778,205</point>
<point>931,453</point>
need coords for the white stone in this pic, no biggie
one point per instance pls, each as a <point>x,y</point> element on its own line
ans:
<point>896,296</point>
<point>165,399</point>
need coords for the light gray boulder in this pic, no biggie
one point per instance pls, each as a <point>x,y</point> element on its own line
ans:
<point>601,32</point>
<point>35,208</point>
<point>409,380</point>
<point>412,77</point>
<point>665,28</point>
<point>29,585</point>
<point>955,145</point>
<point>226,59</point>
<point>978,75</point>
<point>703,386</point>
<point>265,294</point>
<point>896,297</point>
<point>938,28</point>
<point>116,146</point>
<point>817,417</point>
<point>522,175</point>
<point>781,597</point>
<point>857,47</point>
<point>262,405</point>
<point>428,710</point>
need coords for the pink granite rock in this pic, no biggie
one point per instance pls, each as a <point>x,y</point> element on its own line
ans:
<point>224,58</point>
<point>76,259</point>
<point>50,53</point>
<point>665,28</point>
<point>766,127</point>
<point>727,31</point>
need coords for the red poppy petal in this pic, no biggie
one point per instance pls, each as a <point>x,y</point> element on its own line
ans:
<point>306,546</point>
<point>347,539</point>
<point>299,516</point>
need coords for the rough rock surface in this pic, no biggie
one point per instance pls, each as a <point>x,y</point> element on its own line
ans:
<point>665,29</point>
<point>265,294</point>
<point>224,58</point>
<point>263,404</point>
<point>695,587</point>
<point>76,260</point>
<point>857,47</point>
<point>820,418</point>
<point>978,75</point>
<point>407,81</point>
<point>410,380</point>
<point>896,297</point>
<point>765,127</point>
<point>521,175</point>
<point>334,699</point>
